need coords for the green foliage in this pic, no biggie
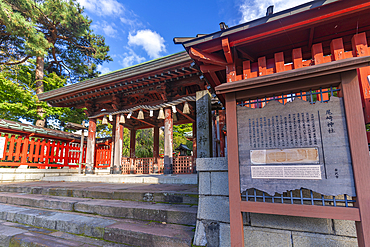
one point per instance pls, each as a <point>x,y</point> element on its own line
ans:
<point>18,96</point>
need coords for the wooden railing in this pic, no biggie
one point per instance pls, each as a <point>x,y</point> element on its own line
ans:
<point>39,152</point>
<point>103,156</point>
<point>181,165</point>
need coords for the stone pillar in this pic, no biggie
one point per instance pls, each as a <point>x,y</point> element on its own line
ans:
<point>155,149</point>
<point>204,127</point>
<point>168,141</point>
<point>132,148</point>
<point>118,146</point>
<point>90,150</point>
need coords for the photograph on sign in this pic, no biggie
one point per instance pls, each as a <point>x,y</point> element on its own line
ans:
<point>293,146</point>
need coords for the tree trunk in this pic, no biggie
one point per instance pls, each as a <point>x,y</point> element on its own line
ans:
<point>40,88</point>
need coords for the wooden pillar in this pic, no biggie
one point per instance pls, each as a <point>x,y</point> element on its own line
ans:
<point>236,219</point>
<point>222,136</point>
<point>194,147</point>
<point>360,49</point>
<point>359,152</point>
<point>90,150</point>
<point>155,149</point>
<point>118,146</point>
<point>81,149</point>
<point>204,127</point>
<point>168,141</point>
<point>112,147</point>
<point>132,148</point>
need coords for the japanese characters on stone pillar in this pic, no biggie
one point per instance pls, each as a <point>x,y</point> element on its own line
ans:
<point>204,129</point>
<point>90,147</point>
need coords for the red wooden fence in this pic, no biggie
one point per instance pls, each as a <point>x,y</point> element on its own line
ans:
<point>39,152</point>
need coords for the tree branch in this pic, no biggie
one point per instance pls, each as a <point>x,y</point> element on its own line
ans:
<point>18,62</point>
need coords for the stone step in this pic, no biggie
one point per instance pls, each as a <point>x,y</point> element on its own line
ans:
<point>173,193</point>
<point>33,227</point>
<point>15,234</point>
<point>160,212</point>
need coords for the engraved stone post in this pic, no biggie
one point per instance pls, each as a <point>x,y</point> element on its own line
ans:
<point>168,141</point>
<point>204,129</point>
<point>90,147</point>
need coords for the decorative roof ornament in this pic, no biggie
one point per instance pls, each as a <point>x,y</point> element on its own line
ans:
<point>161,114</point>
<point>140,115</point>
<point>186,109</point>
<point>105,120</point>
<point>122,119</point>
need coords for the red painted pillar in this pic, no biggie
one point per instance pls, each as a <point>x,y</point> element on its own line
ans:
<point>194,147</point>
<point>118,146</point>
<point>132,148</point>
<point>112,147</point>
<point>222,120</point>
<point>168,141</point>
<point>90,147</point>
<point>155,149</point>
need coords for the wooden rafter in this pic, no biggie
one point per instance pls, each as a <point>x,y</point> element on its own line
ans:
<point>227,50</point>
<point>140,120</point>
<point>207,58</point>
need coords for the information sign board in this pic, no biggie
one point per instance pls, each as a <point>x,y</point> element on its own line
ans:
<point>293,146</point>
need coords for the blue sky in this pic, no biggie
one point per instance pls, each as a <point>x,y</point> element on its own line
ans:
<point>138,31</point>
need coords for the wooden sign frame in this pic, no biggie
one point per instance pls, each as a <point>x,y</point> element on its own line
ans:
<point>343,74</point>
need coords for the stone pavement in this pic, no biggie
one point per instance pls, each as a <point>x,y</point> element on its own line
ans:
<point>53,213</point>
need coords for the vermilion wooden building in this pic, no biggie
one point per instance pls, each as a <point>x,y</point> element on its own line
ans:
<point>148,95</point>
<point>301,52</point>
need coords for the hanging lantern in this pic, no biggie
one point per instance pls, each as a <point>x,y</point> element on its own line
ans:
<point>105,120</point>
<point>161,114</point>
<point>110,118</point>
<point>129,115</point>
<point>174,109</point>
<point>122,119</point>
<point>151,113</point>
<point>186,109</point>
<point>140,115</point>
<point>174,117</point>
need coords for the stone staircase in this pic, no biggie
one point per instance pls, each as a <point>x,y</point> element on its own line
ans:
<point>97,214</point>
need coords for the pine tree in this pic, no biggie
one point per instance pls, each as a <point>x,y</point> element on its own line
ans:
<point>57,34</point>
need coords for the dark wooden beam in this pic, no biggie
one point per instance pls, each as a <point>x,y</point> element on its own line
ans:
<point>210,68</point>
<point>245,55</point>
<point>140,120</point>
<point>185,115</point>
<point>310,38</point>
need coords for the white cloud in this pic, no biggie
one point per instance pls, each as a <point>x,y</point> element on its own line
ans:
<point>102,69</point>
<point>130,58</point>
<point>253,9</point>
<point>108,29</point>
<point>103,7</point>
<point>151,41</point>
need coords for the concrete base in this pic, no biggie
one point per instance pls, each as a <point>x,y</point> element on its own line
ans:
<point>213,218</point>
<point>8,175</point>
<point>137,178</point>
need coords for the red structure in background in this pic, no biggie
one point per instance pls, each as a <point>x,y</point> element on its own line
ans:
<point>39,147</point>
